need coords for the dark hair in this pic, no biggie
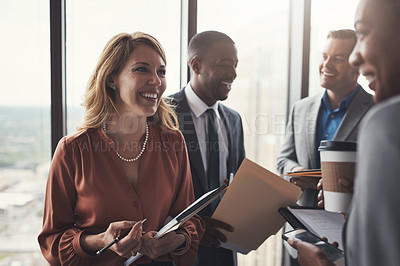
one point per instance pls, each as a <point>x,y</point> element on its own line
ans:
<point>203,42</point>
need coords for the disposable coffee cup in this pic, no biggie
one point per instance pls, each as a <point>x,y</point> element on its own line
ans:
<point>338,160</point>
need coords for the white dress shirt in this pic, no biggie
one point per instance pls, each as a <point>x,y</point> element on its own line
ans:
<point>198,108</point>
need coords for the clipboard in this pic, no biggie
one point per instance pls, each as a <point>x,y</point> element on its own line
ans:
<point>184,216</point>
<point>316,220</point>
<point>290,218</point>
<point>309,173</point>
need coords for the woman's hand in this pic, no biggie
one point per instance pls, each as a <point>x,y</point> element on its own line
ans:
<point>128,245</point>
<point>155,248</point>
<point>125,247</point>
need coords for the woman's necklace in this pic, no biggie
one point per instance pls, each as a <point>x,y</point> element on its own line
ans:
<point>141,151</point>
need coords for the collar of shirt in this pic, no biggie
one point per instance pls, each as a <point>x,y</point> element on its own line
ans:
<point>344,104</point>
<point>329,120</point>
<point>196,104</point>
<point>198,107</point>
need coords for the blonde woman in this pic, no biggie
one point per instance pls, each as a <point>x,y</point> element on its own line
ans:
<point>127,162</point>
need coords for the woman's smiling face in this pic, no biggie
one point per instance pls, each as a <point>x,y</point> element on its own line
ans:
<point>377,52</point>
<point>141,82</point>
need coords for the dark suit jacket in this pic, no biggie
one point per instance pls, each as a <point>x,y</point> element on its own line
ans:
<point>299,147</point>
<point>233,124</point>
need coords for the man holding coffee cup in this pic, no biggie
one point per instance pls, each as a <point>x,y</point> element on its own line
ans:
<point>372,229</point>
<point>338,161</point>
<point>333,115</point>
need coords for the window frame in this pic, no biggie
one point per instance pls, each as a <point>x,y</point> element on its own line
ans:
<point>299,57</point>
<point>58,61</point>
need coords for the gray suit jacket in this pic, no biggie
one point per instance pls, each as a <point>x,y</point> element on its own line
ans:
<point>209,256</point>
<point>372,228</point>
<point>299,148</point>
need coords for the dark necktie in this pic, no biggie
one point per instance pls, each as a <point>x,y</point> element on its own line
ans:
<point>213,155</point>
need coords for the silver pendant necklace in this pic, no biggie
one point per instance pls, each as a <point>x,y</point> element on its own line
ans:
<point>141,151</point>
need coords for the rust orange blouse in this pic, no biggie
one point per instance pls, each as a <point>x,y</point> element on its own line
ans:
<point>87,190</point>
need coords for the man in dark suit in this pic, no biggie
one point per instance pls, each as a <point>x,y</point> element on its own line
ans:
<point>212,58</point>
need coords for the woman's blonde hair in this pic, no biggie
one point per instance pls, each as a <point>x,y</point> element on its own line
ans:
<point>100,99</point>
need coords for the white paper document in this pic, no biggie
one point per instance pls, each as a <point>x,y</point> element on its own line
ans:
<point>321,223</point>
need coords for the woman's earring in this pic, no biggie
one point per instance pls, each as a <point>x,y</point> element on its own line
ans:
<point>114,87</point>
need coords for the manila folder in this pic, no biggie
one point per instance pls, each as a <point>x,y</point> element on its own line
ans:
<point>251,205</point>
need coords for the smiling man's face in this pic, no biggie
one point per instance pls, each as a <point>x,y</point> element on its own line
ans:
<point>336,74</point>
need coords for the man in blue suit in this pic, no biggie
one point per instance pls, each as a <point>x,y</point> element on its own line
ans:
<point>212,58</point>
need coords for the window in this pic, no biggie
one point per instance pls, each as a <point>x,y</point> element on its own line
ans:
<point>90,25</point>
<point>25,136</point>
<point>260,30</point>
